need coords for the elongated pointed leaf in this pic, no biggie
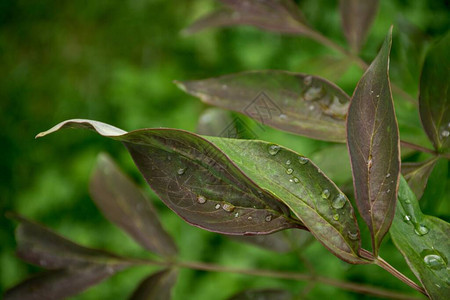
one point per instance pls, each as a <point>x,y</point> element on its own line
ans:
<point>279,16</point>
<point>157,286</point>
<point>62,283</point>
<point>197,181</point>
<point>373,142</point>
<point>434,99</point>
<point>416,174</point>
<point>357,17</point>
<point>125,205</point>
<point>299,183</point>
<point>423,241</point>
<point>294,102</point>
<point>272,294</point>
<point>45,248</point>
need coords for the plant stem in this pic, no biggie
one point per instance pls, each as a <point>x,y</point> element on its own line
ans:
<point>350,286</point>
<point>321,39</point>
<point>417,147</point>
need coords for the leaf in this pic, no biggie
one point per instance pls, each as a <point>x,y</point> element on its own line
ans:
<point>357,17</point>
<point>373,143</point>
<point>423,241</point>
<point>434,98</point>
<point>157,286</point>
<point>125,205</point>
<point>294,102</point>
<point>281,16</point>
<point>272,294</point>
<point>197,181</point>
<point>416,174</point>
<point>61,283</point>
<point>302,186</point>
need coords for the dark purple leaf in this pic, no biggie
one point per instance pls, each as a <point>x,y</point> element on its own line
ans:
<point>298,103</point>
<point>279,16</point>
<point>197,181</point>
<point>125,205</point>
<point>157,286</point>
<point>357,17</point>
<point>434,99</point>
<point>373,143</point>
<point>262,294</point>
<point>416,174</point>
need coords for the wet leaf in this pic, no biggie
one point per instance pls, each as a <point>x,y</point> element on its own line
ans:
<point>157,286</point>
<point>262,294</point>
<point>434,99</point>
<point>281,16</point>
<point>61,283</point>
<point>373,143</point>
<point>125,205</point>
<point>416,174</point>
<point>423,241</point>
<point>294,102</point>
<point>198,182</point>
<point>357,17</point>
<point>302,186</point>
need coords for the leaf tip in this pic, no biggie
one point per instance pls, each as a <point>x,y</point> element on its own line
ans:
<point>180,85</point>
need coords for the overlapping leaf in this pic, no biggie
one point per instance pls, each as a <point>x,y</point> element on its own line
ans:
<point>124,204</point>
<point>197,181</point>
<point>434,99</point>
<point>157,286</point>
<point>423,241</point>
<point>416,174</point>
<point>373,142</point>
<point>357,17</point>
<point>279,16</point>
<point>294,102</point>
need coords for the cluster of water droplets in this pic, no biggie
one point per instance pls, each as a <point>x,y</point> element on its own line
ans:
<point>445,131</point>
<point>410,218</point>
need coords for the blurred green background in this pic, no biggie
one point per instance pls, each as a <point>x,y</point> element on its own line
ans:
<point>115,61</point>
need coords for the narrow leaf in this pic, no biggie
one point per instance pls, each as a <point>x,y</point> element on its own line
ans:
<point>416,174</point>
<point>281,16</point>
<point>423,241</point>
<point>294,102</point>
<point>434,99</point>
<point>61,283</point>
<point>357,17</point>
<point>125,205</point>
<point>157,286</point>
<point>373,142</point>
<point>199,182</point>
<point>299,183</point>
<point>272,294</point>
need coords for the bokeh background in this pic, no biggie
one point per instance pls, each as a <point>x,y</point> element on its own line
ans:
<point>115,61</point>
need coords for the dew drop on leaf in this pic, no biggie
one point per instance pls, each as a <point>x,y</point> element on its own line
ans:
<point>296,180</point>
<point>181,171</point>
<point>336,217</point>
<point>307,80</point>
<point>353,235</point>
<point>303,160</point>
<point>445,133</point>
<point>339,201</point>
<point>217,206</point>
<point>325,194</point>
<point>288,162</point>
<point>283,117</point>
<point>268,218</point>
<point>274,149</point>
<point>407,219</point>
<point>434,261</point>
<point>388,175</point>
<point>228,207</point>
<point>421,229</point>
<point>201,199</point>
<point>289,171</point>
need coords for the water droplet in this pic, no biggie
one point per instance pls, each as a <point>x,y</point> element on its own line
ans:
<point>378,96</point>
<point>353,235</point>
<point>303,160</point>
<point>201,199</point>
<point>249,218</point>
<point>289,171</point>
<point>268,218</point>
<point>421,229</point>
<point>307,80</point>
<point>288,162</point>
<point>228,207</point>
<point>407,219</point>
<point>339,201</point>
<point>283,117</point>
<point>296,180</point>
<point>434,261</point>
<point>311,107</point>
<point>217,206</point>
<point>336,217</point>
<point>445,133</point>
<point>325,194</point>
<point>181,171</point>
<point>371,92</point>
<point>387,192</point>
<point>407,201</point>
<point>313,93</point>
<point>388,175</point>
<point>236,215</point>
<point>274,149</point>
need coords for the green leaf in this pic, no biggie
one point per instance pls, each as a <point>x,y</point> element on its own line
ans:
<point>301,185</point>
<point>373,142</point>
<point>416,174</point>
<point>272,294</point>
<point>125,205</point>
<point>157,286</point>
<point>197,181</point>
<point>357,17</point>
<point>279,16</point>
<point>294,102</point>
<point>434,98</point>
<point>423,241</point>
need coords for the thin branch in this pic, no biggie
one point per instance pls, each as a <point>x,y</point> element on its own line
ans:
<point>417,147</point>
